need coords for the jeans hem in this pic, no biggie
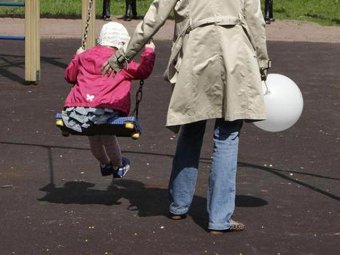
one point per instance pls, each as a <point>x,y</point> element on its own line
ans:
<point>219,226</point>
<point>181,212</point>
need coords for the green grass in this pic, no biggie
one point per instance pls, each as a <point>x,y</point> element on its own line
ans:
<point>71,8</point>
<point>325,12</point>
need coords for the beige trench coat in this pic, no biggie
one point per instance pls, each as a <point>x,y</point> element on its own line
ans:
<point>218,48</point>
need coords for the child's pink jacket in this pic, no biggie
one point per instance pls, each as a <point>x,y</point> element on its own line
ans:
<point>92,89</point>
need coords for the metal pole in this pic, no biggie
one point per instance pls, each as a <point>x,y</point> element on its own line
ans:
<point>12,4</point>
<point>12,37</point>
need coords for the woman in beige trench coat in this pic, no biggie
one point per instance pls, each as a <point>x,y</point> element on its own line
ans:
<point>217,60</point>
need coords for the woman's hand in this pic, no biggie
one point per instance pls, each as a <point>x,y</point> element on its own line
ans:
<point>114,64</point>
<point>106,68</point>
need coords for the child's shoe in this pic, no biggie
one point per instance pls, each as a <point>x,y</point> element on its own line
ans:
<point>123,169</point>
<point>106,169</point>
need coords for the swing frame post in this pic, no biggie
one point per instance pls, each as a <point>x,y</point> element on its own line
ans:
<point>122,126</point>
<point>32,41</point>
<point>88,14</point>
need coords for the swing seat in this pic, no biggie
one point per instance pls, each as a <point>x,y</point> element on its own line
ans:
<point>122,127</point>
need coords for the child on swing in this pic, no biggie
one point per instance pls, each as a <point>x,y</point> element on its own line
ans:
<point>95,98</point>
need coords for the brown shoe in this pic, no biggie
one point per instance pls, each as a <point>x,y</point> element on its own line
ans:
<point>234,227</point>
<point>176,216</point>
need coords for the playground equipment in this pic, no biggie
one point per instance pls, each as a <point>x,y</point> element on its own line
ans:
<point>88,25</point>
<point>122,127</point>
<point>128,126</point>
<point>31,38</point>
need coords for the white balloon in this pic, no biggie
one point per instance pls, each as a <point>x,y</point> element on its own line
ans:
<point>283,102</point>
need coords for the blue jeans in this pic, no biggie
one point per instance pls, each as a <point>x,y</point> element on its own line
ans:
<point>222,177</point>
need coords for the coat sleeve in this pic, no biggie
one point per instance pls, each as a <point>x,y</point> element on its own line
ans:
<point>71,70</point>
<point>142,70</point>
<point>154,19</point>
<point>256,24</point>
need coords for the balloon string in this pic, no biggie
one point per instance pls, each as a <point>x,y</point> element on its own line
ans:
<point>267,92</point>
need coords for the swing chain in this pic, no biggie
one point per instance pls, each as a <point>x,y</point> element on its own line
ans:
<point>139,97</point>
<point>87,24</point>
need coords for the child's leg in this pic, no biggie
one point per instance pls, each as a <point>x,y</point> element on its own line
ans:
<point>98,149</point>
<point>112,149</point>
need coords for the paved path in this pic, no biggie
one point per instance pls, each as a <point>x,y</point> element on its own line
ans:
<point>276,31</point>
<point>54,201</point>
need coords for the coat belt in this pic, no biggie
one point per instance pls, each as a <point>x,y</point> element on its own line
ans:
<point>218,20</point>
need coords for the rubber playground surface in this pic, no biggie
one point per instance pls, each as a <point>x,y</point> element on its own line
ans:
<point>53,199</point>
